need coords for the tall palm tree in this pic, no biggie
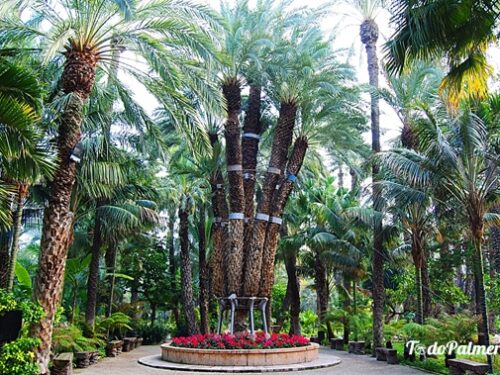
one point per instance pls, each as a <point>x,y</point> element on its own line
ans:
<point>369,34</point>
<point>434,29</point>
<point>86,31</point>
<point>457,160</point>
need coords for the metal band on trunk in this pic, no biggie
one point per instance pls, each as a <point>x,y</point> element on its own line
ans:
<point>234,168</point>
<point>251,135</point>
<point>274,170</point>
<point>262,217</point>
<point>276,220</point>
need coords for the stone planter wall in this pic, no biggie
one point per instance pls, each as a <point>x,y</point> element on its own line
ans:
<point>239,357</point>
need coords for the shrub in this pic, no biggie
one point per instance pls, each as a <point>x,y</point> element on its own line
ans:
<point>308,322</point>
<point>117,323</point>
<point>71,339</point>
<point>153,334</point>
<point>18,358</point>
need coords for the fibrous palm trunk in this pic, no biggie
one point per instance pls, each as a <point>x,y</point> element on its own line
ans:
<point>250,148</point>
<point>22,192</point>
<point>77,81</point>
<point>110,260</point>
<point>278,205</point>
<point>233,257</point>
<point>477,229</point>
<point>321,286</point>
<point>281,142</point>
<point>417,251</point>
<point>186,277</point>
<point>203,273</point>
<point>346,306</point>
<point>4,260</point>
<point>219,229</point>
<point>369,37</point>
<point>495,241</point>
<point>294,290</point>
<point>93,278</point>
<point>172,266</point>
<point>426,288</point>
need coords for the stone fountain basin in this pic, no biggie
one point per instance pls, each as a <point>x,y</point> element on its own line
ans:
<point>239,357</point>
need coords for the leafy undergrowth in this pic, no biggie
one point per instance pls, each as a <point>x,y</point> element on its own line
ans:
<point>241,341</point>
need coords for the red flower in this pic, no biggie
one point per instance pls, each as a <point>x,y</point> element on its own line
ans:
<point>240,341</point>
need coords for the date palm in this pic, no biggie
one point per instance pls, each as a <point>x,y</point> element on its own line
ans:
<point>86,32</point>
<point>243,40</point>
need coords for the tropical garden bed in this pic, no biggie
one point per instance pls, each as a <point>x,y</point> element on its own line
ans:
<point>241,341</point>
<point>240,350</point>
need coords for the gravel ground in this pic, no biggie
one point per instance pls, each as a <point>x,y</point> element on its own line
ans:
<point>126,364</point>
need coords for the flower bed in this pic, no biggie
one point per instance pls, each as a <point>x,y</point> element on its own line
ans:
<point>241,341</point>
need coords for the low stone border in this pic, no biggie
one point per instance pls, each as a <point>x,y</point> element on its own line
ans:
<point>239,357</point>
<point>323,360</point>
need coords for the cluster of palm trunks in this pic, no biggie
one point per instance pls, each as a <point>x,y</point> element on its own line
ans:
<point>246,234</point>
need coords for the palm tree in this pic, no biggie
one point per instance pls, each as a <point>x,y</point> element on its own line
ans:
<point>408,94</point>
<point>457,160</point>
<point>241,46</point>
<point>87,31</point>
<point>410,204</point>
<point>369,34</point>
<point>432,30</point>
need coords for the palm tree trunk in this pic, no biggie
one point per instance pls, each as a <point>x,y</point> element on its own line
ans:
<point>219,229</point>
<point>369,37</point>
<point>4,258</point>
<point>18,217</point>
<point>153,314</point>
<point>426,288</point>
<point>77,81</point>
<point>278,205</point>
<point>354,307</point>
<point>346,307</point>
<point>93,278</point>
<point>233,258</point>
<point>250,148</point>
<point>110,258</point>
<point>294,286</point>
<point>186,277</point>
<point>495,241</point>
<point>321,286</point>
<point>419,316</point>
<point>417,250</point>
<point>203,273</point>
<point>279,152</point>
<point>172,266</point>
<point>134,300</point>
<point>483,326</point>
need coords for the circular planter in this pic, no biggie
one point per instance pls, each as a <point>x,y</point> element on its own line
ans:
<point>239,357</point>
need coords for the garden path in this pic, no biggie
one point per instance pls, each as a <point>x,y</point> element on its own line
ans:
<point>126,364</point>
